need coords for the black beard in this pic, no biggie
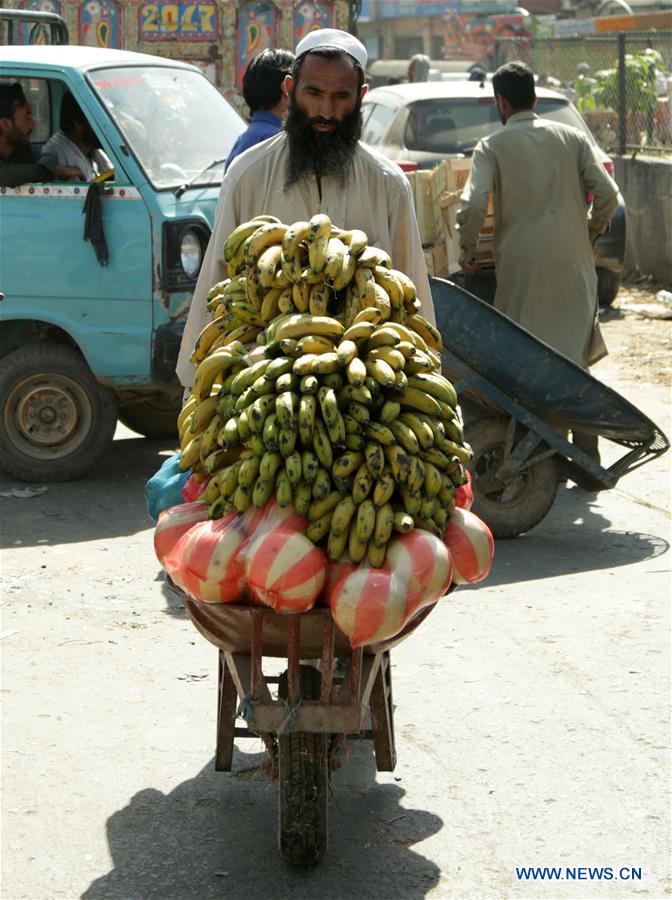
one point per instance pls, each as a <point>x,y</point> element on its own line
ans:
<point>320,153</point>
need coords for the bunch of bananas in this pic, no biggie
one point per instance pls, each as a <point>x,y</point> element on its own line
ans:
<point>344,412</point>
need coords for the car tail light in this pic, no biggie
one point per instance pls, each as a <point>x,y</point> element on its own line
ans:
<point>406,165</point>
<point>609,166</point>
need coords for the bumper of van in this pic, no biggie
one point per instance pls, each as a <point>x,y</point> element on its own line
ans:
<point>166,347</point>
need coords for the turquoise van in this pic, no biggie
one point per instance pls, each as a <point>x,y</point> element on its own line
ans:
<point>84,343</point>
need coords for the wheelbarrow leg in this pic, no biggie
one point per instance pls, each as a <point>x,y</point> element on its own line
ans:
<point>382,720</point>
<point>226,717</point>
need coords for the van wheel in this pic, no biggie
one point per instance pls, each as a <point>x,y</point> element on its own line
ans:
<point>56,421</point>
<point>155,417</point>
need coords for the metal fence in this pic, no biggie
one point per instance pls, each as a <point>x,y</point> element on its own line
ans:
<point>621,83</point>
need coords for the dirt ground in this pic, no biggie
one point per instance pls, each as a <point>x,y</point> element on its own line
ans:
<point>532,711</point>
<point>640,341</point>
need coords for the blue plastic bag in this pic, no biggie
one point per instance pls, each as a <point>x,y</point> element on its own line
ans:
<point>164,488</point>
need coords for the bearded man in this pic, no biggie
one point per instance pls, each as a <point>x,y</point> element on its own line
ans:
<point>316,165</point>
<point>17,163</point>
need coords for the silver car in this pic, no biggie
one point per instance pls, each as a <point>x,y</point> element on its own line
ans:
<point>419,125</point>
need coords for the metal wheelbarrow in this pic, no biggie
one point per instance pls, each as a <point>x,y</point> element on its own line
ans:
<point>520,399</point>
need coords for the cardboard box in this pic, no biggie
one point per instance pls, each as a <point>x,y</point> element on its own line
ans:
<point>450,203</point>
<point>449,176</point>
<point>429,221</point>
<point>436,259</point>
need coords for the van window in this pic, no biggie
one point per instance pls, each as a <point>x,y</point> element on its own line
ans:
<point>174,120</point>
<point>377,123</point>
<point>38,97</point>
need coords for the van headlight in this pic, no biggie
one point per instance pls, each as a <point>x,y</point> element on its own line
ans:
<point>184,244</point>
<point>191,253</point>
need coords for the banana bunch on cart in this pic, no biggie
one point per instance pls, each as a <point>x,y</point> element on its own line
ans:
<point>318,383</point>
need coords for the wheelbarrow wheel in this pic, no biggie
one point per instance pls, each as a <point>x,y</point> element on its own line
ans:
<point>303,779</point>
<point>516,506</point>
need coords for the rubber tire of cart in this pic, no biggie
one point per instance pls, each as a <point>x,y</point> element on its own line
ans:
<point>608,285</point>
<point>303,785</point>
<point>45,384</point>
<point>155,417</point>
<point>532,494</point>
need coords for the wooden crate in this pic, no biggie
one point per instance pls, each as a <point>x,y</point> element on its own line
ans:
<point>426,212</point>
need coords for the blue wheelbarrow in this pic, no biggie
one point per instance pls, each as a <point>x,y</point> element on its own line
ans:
<point>520,399</point>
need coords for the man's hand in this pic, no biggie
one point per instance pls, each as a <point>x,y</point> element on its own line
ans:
<point>63,172</point>
<point>469,266</point>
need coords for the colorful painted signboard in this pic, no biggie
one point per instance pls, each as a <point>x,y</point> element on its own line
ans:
<point>473,37</point>
<point>29,33</point>
<point>165,20</point>
<point>312,16</point>
<point>257,31</point>
<point>100,23</point>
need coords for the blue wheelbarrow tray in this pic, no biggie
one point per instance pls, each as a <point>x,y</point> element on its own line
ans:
<point>501,366</point>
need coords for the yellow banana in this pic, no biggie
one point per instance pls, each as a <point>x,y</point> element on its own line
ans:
<point>381,371</point>
<point>267,265</point>
<point>319,508</point>
<point>426,330</point>
<point>209,370</point>
<point>206,339</point>
<point>389,281</point>
<point>318,299</point>
<point>420,400</point>
<point>355,239</point>
<point>384,523</point>
<point>370,314</point>
<point>359,332</point>
<point>269,305</point>
<point>375,555</point>
<point>188,408</point>
<point>346,273</point>
<point>299,325</point>
<point>315,343</point>
<point>343,514</point>
<point>356,548</point>
<point>301,296</point>
<point>191,453</point>
<point>382,300</point>
<point>238,237</point>
<point>374,256</point>
<point>334,259</point>
<point>263,237</point>
<point>436,386</point>
<point>292,238</point>
<point>366,520</point>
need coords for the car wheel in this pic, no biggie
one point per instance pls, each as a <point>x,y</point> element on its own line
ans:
<point>608,283</point>
<point>56,419</point>
<point>155,417</point>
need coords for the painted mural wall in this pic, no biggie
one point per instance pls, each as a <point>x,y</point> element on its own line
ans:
<point>219,36</point>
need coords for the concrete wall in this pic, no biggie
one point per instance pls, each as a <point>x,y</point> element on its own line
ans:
<point>646,185</point>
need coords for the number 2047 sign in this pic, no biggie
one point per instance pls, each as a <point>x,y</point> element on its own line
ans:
<point>166,20</point>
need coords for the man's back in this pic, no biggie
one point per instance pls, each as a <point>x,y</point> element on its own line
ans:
<point>539,193</point>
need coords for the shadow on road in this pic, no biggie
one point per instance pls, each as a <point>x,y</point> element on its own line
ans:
<point>214,836</point>
<point>107,502</point>
<point>575,537</point>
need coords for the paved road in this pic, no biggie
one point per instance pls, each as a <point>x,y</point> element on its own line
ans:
<point>532,715</point>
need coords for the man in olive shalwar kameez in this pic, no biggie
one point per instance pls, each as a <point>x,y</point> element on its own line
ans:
<point>539,173</point>
<point>317,165</point>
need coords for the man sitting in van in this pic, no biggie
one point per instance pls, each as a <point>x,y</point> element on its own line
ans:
<point>73,153</point>
<point>17,163</point>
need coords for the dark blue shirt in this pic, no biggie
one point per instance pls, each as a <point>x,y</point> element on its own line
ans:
<point>263,125</point>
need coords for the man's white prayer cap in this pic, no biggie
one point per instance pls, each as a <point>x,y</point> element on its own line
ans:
<point>338,40</point>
